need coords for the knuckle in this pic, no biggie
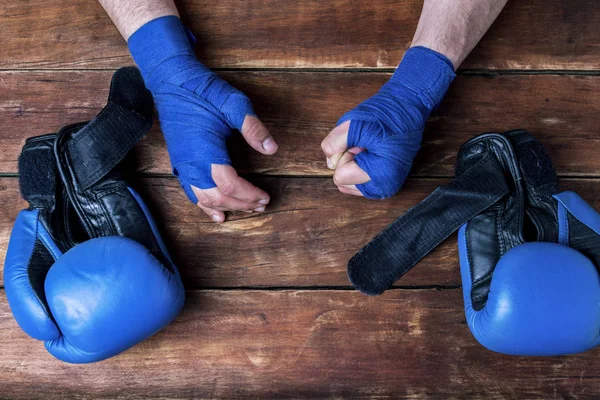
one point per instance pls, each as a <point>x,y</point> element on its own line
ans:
<point>254,130</point>
<point>227,188</point>
<point>202,198</point>
<point>326,146</point>
<point>206,202</point>
<point>217,199</point>
<point>337,179</point>
<point>211,199</point>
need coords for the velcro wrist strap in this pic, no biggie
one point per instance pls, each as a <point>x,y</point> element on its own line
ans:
<point>400,246</point>
<point>92,150</point>
<point>540,181</point>
<point>37,172</point>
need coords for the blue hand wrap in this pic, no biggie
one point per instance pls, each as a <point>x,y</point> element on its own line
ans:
<point>390,124</point>
<point>197,109</point>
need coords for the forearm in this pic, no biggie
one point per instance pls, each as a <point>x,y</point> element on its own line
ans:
<point>453,28</point>
<point>130,15</point>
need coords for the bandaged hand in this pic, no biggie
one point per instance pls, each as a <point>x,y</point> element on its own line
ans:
<point>373,146</point>
<point>198,111</point>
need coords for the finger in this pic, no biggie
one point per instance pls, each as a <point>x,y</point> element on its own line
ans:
<point>351,189</point>
<point>257,135</point>
<point>348,172</point>
<point>215,215</point>
<point>356,150</point>
<point>231,184</point>
<point>335,144</point>
<point>216,200</point>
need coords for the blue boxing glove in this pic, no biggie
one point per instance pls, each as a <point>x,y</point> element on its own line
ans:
<point>529,263</point>
<point>198,111</point>
<point>86,270</point>
<point>373,147</point>
<point>544,300</point>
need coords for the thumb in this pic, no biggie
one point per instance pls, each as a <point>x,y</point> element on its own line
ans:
<point>335,144</point>
<point>348,172</point>
<point>257,135</point>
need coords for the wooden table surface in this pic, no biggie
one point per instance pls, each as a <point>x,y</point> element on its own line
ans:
<point>270,311</point>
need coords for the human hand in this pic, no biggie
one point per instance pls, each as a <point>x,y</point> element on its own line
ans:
<point>198,111</point>
<point>373,146</point>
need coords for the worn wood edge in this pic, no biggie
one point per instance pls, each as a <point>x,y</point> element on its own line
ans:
<point>301,108</point>
<point>550,34</point>
<point>295,244</point>
<point>299,344</point>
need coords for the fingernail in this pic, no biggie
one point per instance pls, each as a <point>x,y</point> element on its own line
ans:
<point>269,145</point>
<point>216,218</point>
<point>259,209</point>
<point>329,164</point>
<point>264,201</point>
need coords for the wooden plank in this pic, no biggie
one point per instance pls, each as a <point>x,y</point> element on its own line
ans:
<point>301,108</point>
<point>305,238</point>
<point>537,34</point>
<point>301,344</point>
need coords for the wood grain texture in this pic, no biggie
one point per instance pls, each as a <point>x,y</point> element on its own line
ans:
<point>305,238</point>
<point>537,34</point>
<point>409,344</point>
<point>270,312</point>
<point>301,108</point>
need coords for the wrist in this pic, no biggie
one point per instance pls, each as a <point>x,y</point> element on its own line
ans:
<point>452,51</point>
<point>157,42</point>
<point>426,73</point>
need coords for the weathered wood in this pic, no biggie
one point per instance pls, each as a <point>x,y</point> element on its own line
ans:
<point>305,238</point>
<point>301,108</point>
<point>537,34</point>
<point>301,344</point>
<point>281,342</point>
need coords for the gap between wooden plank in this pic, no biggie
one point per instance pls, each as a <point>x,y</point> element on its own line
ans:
<point>310,288</point>
<point>295,244</point>
<point>460,71</point>
<point>301,109</point>
<point>270,176</point>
